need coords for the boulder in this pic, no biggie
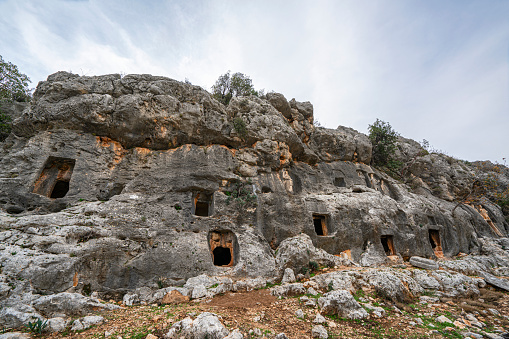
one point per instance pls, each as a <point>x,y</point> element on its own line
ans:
<point>130,299</point>
<point>15,335</point>
<point>319,319</point>
<point>288,290</point>
<point>86,322</point>
<point>288,276</point>
<point>11,317</point>
<point>427,264</point>
<point>235,334</point>
<point>319,332</point>
<point>57,324</point>
<point>494,281</point>
<point>174,297</point>
<point>72,304</point>
<point>205,326</point>
<point>341,303</point>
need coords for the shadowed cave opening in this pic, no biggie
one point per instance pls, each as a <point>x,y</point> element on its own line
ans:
<point>320,224</point>
<point>60,190</point>
<point>434,239</point>
<point>222,247</point>
<point>339,182</point>
<point>222,256</point>
<point>54,179</point>
<point>388,244</point>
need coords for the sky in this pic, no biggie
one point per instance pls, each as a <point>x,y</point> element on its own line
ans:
<point>435,70</point>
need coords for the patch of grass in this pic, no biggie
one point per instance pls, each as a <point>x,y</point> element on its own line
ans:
<point>359,294</point>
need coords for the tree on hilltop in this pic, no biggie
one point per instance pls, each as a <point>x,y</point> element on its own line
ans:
<point>13,87</point>
<point>383,139</point>
<point>228,86</point>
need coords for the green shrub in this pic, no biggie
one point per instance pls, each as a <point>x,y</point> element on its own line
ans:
<point>228,86</point>
<point>241,193</point>
<point>240,127</point>
<point>5,126</point>
<point>37,326</point>
<point>383,138</point>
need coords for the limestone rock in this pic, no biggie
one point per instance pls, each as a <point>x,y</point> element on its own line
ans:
<point>288,276</point>
<point>15,335</point>
<point>443,319</point>
<point>235,334</point>
<point>288,290</point>
<point>174,297</point>
<point>319,319</point>
<point>57,324</point>
<point>319,331</point>
<point>424,263</point>
<point>130,299</point>
<point>206,325</point>
<point>70,304</point>
<point>11,317</point>
<point>497,282</point>
<point>343,304</point>
<point>86,322</point>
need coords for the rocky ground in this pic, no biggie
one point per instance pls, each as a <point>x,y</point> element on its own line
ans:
<point>259,313</point>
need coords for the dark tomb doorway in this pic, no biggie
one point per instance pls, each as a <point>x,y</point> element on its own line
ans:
<point>222,256</point>
<point>320,224</point>
<point>388,244</point>
<point>55,178</point>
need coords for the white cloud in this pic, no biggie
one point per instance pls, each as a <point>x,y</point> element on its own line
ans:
<point>434,71</point>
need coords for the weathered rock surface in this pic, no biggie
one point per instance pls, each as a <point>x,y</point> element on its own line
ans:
<point>423,263</point>
<point>70,304</point>
<point>138,186</point>
<point>343,304</point>
<point>86,322</point>
<point>205,326</point>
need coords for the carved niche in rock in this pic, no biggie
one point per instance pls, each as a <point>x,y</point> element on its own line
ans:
<point>223,248</point>
<point>55,177</point>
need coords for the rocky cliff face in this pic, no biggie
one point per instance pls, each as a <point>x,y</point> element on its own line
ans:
<point>110,184</point>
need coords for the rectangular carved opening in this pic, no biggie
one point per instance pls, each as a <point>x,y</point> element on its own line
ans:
<point>320,224</point>
<point>388,244</point>
<point>339,182</point>
<point>203,204</point>
<point>55,177</point>
<point>221,247</point>
<point>434,239</point>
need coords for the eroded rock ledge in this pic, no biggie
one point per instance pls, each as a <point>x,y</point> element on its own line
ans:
<point>111,184</point>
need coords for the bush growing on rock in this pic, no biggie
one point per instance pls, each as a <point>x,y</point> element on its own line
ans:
<point>228,86</point>
<point>383,138</point>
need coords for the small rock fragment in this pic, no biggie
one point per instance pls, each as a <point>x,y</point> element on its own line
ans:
<point>320,332</point>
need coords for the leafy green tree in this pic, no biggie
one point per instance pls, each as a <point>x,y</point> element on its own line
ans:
<point>13,87</point>
<point>228,86</point>
<point>13,83</point>
<point>383,138</point>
